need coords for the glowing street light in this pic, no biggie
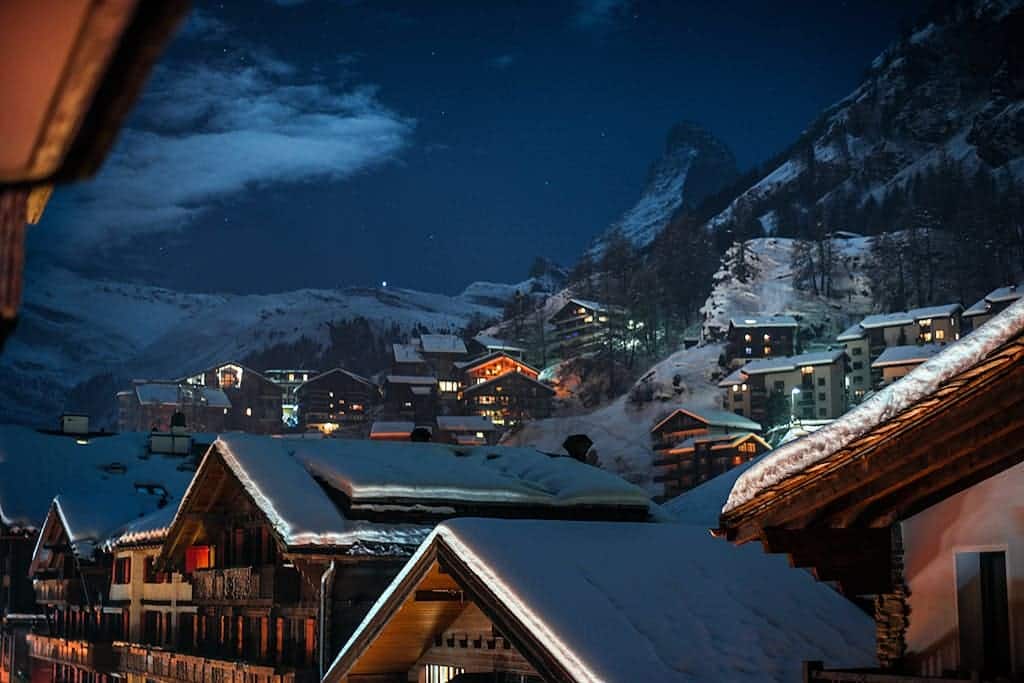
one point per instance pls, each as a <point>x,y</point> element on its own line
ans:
<point>793,394</point>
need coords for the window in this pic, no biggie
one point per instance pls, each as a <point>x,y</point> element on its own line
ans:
<point>857,379</point>
<point>150,574</point>
<point>123,570</point>
<point>807,370</point>
<point>779,386</point>
<point>439,673</point>
<point>448,386</point>
<point>248,412</point>
<point>856,351</point>
<point>926,336</point>
<point>743,387</point>
<point>983,622</point>
<point>749,351</point>
<point>735,388</point>
<point>940,335</point>
<point>822,412</point>
<point>821,381</point>
<point>747,447</point>
<point>485,400</point>
<point>858,365</point>
<point>747,338</point>
<point>767,338</point>
<point>767,350</point>
<point>198,557</point>
<point>822,396</point>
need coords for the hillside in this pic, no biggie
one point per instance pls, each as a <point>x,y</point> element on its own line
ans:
<point>79,339</point>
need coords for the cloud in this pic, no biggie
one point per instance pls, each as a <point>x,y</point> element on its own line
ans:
<point>205,133</point>
<point>599,14</point>
<point>503,61</point>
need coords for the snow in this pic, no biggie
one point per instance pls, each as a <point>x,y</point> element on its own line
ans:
<point>150,529</point>
<point>764,321</point>
<point>852,333</point>
<point>35,468</point>
<point>495,344</point>
<point>655,602</point>
<point>391,427</point>
<point>169,393</point>
<point>789,363</point>
<point>296,506</point>
<point>702,504</point>
<point>328,373</point>
<point>464,423</point>
<point>902,355</point>
<point>442,343</point>
<point>882,406</point>
<point>411,379</point>
<point>714,417</point>
<point>407,353</point>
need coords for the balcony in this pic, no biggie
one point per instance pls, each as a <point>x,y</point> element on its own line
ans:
<point>52,591</point>
<point>97,657</point>
<point>246,584</point>
<point>814,672</point>
<point>162,665</point>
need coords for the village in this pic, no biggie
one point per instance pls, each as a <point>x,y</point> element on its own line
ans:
<point>769,426</point>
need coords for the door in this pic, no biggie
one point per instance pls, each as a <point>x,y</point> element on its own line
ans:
<point>983,615</point>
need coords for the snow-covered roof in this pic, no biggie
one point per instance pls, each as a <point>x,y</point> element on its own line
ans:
<point>886,320</point>
<point>851,333</point>
<point>489,356</point>
<point>618,602</point>
<point>442,343</point>
<point>763,366</point>
<point>943,311</point>
<point>692,442</point>
<point>411,379</point>
<point>765,321</point>
<point>905,355</point>
<point>391,427</point>
<point>702,504</point>
<point>998,295</point>
<point>171,393</point>
<point>421,391</point>
<point>35,468</point>
<point>495,344</point>
<point>481,386</point>
<point>587,303</point>
<point>713,417</point>
<point>335,371</point>
<point>148,530</point>
<point>923,380</point>
<point>162,393</point>
<point>407,353</point>
<point>464,423</point>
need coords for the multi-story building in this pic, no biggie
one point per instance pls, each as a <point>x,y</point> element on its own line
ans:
<point>336,399</point>
<point>698,421</point>
<point>696,459</point>
<point>866,340</point>
<point>503,389</point>
<point>150,405</point>
<point>483,344</point>
<point>896,361</point>
<point>255,400</point>
<point>991,304</point>
<point>289,380</point>
<point>807,386</point>
<point>760,337</point>
<point>411,397</point>
<point>582,327</point>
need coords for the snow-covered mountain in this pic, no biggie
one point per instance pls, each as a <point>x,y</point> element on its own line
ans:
<point>694,165</point>
<point>951,92</point>
<point>75,331</point>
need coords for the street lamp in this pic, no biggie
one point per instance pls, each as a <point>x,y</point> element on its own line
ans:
<point>793,394</point>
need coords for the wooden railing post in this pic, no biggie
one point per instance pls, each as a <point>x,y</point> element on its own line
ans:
<point>809,669</point>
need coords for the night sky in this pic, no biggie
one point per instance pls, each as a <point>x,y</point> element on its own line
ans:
<point>326,143</point>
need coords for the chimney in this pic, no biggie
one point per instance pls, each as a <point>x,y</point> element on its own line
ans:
<point>577,446</point>
<point>74,424</point>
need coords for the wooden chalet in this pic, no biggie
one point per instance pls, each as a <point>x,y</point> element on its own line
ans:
<point>290,379</point>
<point>336,399</point>
<point>581,327</point>
<point>465,430</point>
<point>288,543</point>
<point>574,602</point>
<point>69,73</point>
<point>410,397</point>
<point>406,359</point>
<point>697,421</point>
<point>912,499</point>
<point>392,430</point>
<point>696,459</point>
<point>151,405</point>
<point>760,337</point>
<point>509,398</point>
<point>810,386</point>
<point>255,400</point>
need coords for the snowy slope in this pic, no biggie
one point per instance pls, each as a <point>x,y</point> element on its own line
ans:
<point>74,328</point>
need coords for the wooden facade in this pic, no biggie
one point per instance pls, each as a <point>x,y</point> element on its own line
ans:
<point>684,423</point>
<point>850,518</point>
<point>750,338</point>
<point>150,406</point>
<point>581,327</point>
<point>509,399</point>
<point>336,399</point>
<point>255,400</point>
<point>697,459</point>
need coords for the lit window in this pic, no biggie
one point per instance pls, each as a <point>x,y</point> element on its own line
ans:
<point>357,407</point>
<point>747,338</point>
<point>479,435</point>
<point>927,322</point>
<point>743,387</point>
<point>330,394</point>
<point>448,385</point>
<point>580,311</point>
<point>602,318</point>
<point>807,370</point>
<point>927,336</point>
<point>940,334</point>
<point>735,387</point>
<point>305,377</point>
<point>767,350</point>
<point>749,351</point>
<point>767,338</point>
<point>589,319</point>
<point>291,376</point>
<point>248,412</point>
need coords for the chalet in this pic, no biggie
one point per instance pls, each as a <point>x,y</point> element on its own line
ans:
<point>992,303</point>
<point>406,359</point>
<point>897,361</point>
<point>288,543</point>
<point>865,341</point>
<point>491,365</point>
<point>150,405</point>
<point>483,344</point>
<point>289,380</point>
<point>696,459</point>
<point>410,397</point>
<point>760,337</point>
<point>912,499</point>
<point>465,430</point>
<point>508,398</point>
<point>336,399</point>
<point>807,386</point>
<point>255,400</point>
<point>690,421</point>
<point>582,326</point>
<point>386,430</point>
<point>576,602</point>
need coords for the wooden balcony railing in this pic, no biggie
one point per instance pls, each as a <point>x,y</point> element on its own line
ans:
<point>50,591</point>
<point>163,665</point>
<point>245,584</point>
<point>97,657</point>
<point>816,672</point>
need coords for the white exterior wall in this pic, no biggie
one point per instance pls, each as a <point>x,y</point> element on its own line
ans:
<point>138,593</point>
<point>988,516</point>
<point>864,371</point>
